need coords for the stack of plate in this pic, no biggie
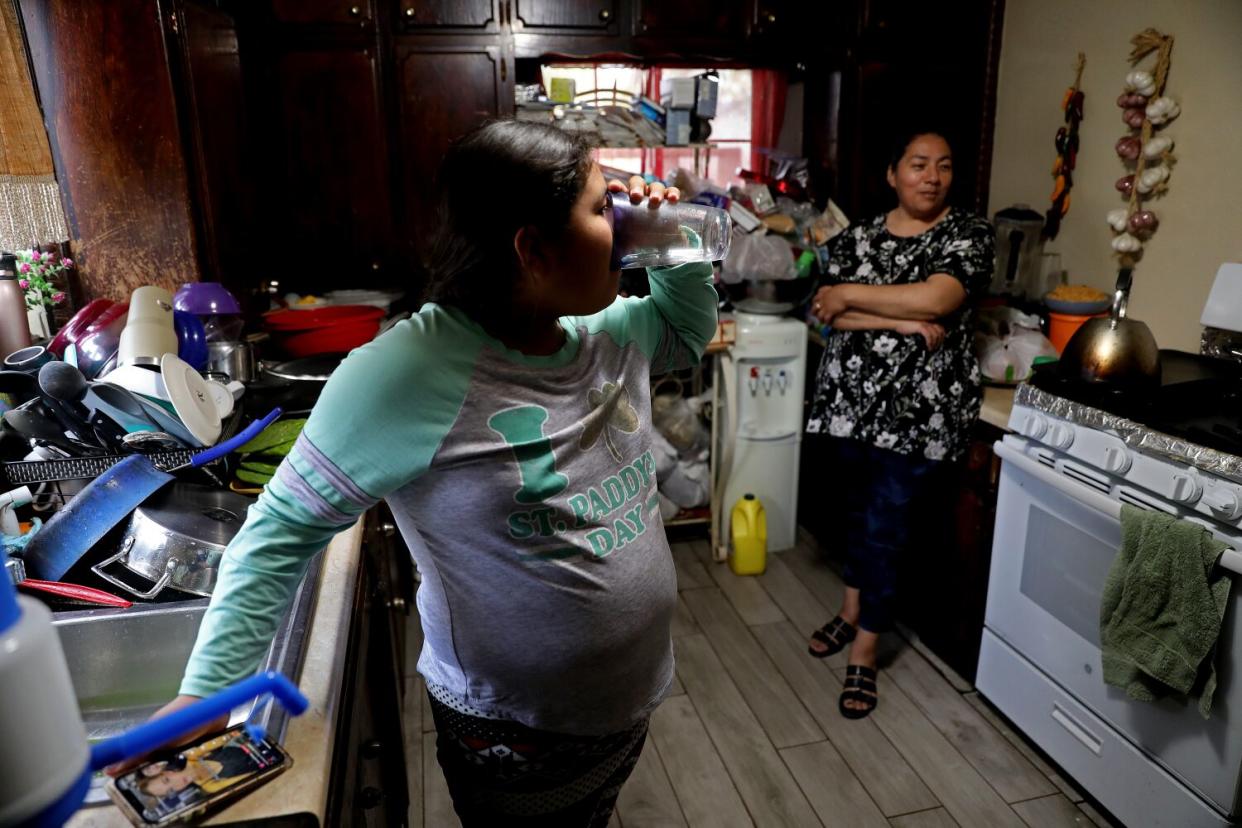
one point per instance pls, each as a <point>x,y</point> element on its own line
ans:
<point>375,298</point>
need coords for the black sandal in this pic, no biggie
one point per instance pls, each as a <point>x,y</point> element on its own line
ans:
<point>860,688</point>
<point>836,634</point>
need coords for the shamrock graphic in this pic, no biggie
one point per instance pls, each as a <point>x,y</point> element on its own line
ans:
<point>610,409</point>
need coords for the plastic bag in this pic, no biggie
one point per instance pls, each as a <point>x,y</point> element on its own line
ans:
<point>673,417</point>
<point>664,454</point>
<point>688,485</point>
<point>1008,343</point>
<point>758,257</point>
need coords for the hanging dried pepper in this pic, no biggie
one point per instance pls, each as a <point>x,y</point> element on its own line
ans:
<point>1067,153</point>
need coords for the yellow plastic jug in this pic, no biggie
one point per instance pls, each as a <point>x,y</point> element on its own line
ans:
<point>749,555</point>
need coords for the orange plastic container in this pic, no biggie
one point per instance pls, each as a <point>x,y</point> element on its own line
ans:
<point>1061,327</point>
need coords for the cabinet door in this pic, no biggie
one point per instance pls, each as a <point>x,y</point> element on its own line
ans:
<point>565,15</point>
<point>332,205</point>
<point>477,16</point>
<point>340,12</point>
<point>209,76</point>
<point>694,21</point>
<point>444,91</point>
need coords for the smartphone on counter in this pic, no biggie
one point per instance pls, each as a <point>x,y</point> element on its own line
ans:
<point>198,779</point>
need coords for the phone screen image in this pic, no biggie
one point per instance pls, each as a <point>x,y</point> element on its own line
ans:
<point>166,790</point>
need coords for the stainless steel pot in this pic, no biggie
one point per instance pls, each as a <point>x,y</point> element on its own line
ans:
<point>233,359</point>
<point>176,539</point>
<point>1117,350</point>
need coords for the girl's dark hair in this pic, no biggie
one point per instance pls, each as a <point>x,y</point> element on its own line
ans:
<point>903,138</point>
<point>493,181</point>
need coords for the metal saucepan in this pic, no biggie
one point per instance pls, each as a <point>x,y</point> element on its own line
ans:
<point>1117,350</point>
<point>176,539</point>
<point>233,359</point>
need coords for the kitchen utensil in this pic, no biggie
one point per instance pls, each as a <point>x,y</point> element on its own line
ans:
<point>149,332</point>
<point>376,298</point>
<point>1063,326</point>
<point>233,359</point>
<point>1116,350</point>
<point>191,339</point>
<point>142,380</point>
<point>105,502</point>
<point>149,442</point>
<point>205,299</point>
<point>59,589</point>
<point>224,396</point>
<point>337,339</point>
<point>176,538</point>
<point>671,235</point>
<point>25,472</point>
<point>1019,247</point>
<point>287,320</point>
<point>98,344</point>
<point>64,388</point>
<point>28,360</point>
<point>191,398</point>
<point>29,424</point>
<point>306,369</point>
<point>121,406</point>
<point>77,325</point>
<point>17,388</point>
<point>148,389</point>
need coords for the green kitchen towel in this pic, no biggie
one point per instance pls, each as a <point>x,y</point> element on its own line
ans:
<point>1162,608</point>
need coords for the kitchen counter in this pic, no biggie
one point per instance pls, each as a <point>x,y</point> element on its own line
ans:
<point>997,403</point>
<point>303,789</point>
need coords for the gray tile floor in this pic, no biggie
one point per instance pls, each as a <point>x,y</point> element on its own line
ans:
<point>752,735</point>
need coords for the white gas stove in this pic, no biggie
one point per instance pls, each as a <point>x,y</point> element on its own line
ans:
<point>1066,472</point>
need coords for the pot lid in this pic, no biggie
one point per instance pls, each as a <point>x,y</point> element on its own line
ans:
<point>203,513</point>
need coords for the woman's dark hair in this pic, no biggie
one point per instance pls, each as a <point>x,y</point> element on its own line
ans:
<point>501,177</point>
<point>904,137</point>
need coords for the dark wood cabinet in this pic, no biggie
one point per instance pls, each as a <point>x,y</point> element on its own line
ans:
<point>332,12</point>
<point>444,91</point>
<point>944,582</point>
<point>569,16</point>
<point>331,205</point>
<point>474,16</point>
<point>907,63</point>
<point>694,21</point>
<point>368,782</point>
<point>208,71</point>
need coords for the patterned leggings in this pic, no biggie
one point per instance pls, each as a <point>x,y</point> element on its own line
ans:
<point>502,773</point>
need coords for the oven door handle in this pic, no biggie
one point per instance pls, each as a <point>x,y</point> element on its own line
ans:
<point>1230,559</point>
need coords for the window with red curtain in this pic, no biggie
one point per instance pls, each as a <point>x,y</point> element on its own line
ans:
<point>767,113</point>
<point>749,113</point>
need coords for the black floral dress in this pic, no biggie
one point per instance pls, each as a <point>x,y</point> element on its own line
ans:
<point>886,388</point>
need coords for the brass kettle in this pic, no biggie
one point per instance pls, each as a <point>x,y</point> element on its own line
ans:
<point>1115,350</point>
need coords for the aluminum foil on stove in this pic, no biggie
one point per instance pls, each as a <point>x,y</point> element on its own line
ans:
<point>1135,435</point>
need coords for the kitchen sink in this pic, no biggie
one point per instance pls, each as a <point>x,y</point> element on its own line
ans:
<point>125,664</point>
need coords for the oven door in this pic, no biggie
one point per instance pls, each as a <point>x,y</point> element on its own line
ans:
<point>1055,540</point>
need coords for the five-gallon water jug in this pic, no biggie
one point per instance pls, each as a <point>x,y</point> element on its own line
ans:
<point>749,555</point>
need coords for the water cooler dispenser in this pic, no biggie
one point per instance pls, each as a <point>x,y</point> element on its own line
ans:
<point>769,373</point>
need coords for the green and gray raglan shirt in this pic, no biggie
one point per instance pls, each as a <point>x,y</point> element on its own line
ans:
<point>525,488</point>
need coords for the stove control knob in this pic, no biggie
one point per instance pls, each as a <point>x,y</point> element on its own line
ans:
<point>1034,425</point>
<point>1224,503</point>
<point>1060,435</point>
<point>1117,460</point>
<point>1184,488</point>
